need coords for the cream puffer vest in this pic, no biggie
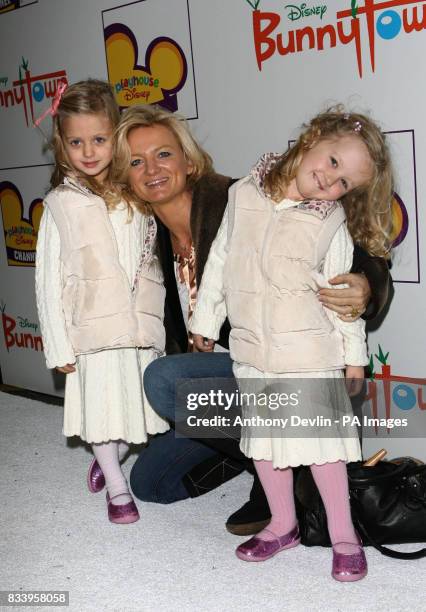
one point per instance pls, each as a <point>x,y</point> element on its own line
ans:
<point>278,324</point>
<point>101,309</point>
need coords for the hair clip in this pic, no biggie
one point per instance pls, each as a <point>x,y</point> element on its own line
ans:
<point>357,126</point>
<point>55,103</point>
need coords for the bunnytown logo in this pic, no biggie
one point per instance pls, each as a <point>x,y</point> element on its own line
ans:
<point>157,81</point>
<point>19,332</point>
<point>11,5</point>
<point>400,392</point>
<point>20,234</point>
<point>31,91</point>
<point>384,20</point>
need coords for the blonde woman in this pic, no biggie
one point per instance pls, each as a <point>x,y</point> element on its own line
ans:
<point>167,170</point>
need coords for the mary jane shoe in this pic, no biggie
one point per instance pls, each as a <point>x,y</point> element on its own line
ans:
<point>349,562</point>
<point>257,549</point>
<point>122,513</point>
<point>95,477</point>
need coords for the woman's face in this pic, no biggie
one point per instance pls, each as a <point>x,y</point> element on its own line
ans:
<point>158,167</point>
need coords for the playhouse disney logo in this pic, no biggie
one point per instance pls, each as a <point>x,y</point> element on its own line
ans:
<point>369,21</point>
<point>157,81</point>
<point>20,234</point>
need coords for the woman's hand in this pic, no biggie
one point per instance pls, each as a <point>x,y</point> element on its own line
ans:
<point>66,369</point>
<point>203,344</point>
<point>349,303</point>
<point>354,378</point>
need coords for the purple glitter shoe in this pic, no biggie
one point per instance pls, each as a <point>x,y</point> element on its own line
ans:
<point>95,477</point>
<point>349,562</point>
<point>123,513</point>
<point>257,549</point>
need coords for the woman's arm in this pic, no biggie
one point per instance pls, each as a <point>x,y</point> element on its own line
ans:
<point>57,347</point>
<point>369,282</point>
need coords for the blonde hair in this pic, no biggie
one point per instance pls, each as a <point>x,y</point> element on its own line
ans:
<point>91,97</point>
<point>148,116</point>
<point>368,208</point>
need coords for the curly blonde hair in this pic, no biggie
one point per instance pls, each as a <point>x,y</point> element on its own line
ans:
<point>148,116</point>
<point>91,97</point>
<point>368,208</point>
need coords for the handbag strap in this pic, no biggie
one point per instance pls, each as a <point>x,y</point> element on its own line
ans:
<point>388,552</point>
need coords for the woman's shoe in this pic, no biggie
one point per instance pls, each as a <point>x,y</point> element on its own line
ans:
<point>123,513</point>
<point>95,477</point>
<point>257,549</point>
<point>254,515</point>
<point>349,562</point>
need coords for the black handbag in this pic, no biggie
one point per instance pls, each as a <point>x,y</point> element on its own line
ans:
<point>388,505</point>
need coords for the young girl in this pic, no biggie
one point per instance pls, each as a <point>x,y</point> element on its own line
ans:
<point>284,234</point>
<point>99,289</point>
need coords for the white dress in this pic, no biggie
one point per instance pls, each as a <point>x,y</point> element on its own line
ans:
<point>104,397</point>
<point>210,311</point>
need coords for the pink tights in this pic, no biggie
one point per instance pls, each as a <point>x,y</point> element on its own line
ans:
<point>332,482</point>
<point>108,455</point>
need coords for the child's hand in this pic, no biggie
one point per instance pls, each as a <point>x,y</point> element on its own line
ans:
<point>203,344</point>
<point>66,369</point>
<point>354,378</point>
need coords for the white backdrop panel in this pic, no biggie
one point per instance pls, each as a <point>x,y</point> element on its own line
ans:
<point>242,112</point>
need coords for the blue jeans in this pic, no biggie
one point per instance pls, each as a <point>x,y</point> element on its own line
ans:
<point>161,469</point>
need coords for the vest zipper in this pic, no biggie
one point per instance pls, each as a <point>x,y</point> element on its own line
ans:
<point>123,273</point>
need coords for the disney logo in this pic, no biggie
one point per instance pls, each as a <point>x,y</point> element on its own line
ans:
<point>298,12</point>
<point>132,94</point>
<point>25,323</point>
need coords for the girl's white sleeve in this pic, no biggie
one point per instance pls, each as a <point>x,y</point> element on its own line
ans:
<point>57,347</point>
<point>210,309</point>
<point>339,261</point>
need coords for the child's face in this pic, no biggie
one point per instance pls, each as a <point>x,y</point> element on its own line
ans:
<point>158,168</point>
<point>89,144</point>
<point>330,169</point>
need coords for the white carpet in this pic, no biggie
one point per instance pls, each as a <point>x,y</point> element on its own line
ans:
<point>55,535</point>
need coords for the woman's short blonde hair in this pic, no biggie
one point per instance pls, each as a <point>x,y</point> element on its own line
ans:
<point>148,116</point>
<point>368,208</point>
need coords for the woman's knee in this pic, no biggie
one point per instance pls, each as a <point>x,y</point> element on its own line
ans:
<point>157,473</point>
<point>155,376</point>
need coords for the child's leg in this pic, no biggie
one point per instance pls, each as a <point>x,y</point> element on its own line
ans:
<point>278,487</point>
<point>332,482</point>
<point>123,447</point>
<point>107,456</point>
<point>95,475</point>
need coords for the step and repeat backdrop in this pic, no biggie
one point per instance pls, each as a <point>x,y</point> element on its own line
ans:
<point>246,74</point>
